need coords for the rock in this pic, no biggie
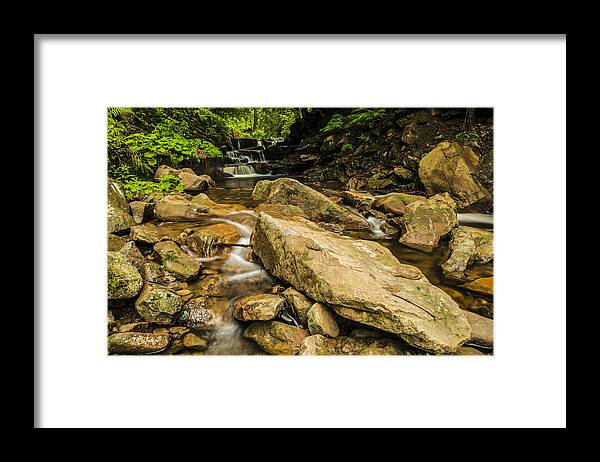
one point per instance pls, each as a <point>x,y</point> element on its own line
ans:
<point>390,203</point>
<point>191,181</point>
<point>177,208</point>
<point>450,167</point>
<point>403,197</point>
<point>362,281</point>
<point>133,256</point>
<point>321,345</point>
<point>137,343</point>
<point>176,261</point>
<point>158,304</point>
<point>206,241</point>
<point>300,302</point>
<point>482,329</point>
<point>322,321</point>
<point>403,173</point>
<point>194,342</point>
<point>261,307</point>
<point>469,351</point>
<point>153,272</point>
<point>318,207</point>
<point>124,280</point>
<point>199,313</point>
<point>137,327</point>
<point>115,243</point>
<point>141,211</point>
<point>410,134</point>
<point>275,337</point>
<point>280,210</point>
<point>359,200</point>
<point>146,233</point>
<point>424,223</point>
<point>214,209</point>
<point>483,286</point>
<point>119,219</point>
<point>380,183</point>
<point>355,183</point>
<point>367,333</point>
<point>468,246</point>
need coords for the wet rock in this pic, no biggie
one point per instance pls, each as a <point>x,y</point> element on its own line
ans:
<point>281,211</point>
<point>158,304</point>
<point>275,337</point>
<point>482,329</point>
<point>450,167</point>
<point>318,207</point>
<point>390,203</point>
<point>146,233</point>
<point>468,246</point>
<point>213,208</point>
<point>183,292</point>
<point>380,183</point>
<point>119,219</point>
<point>199,313</point>
<point>321,320</point>
<point>356,183</point>
<point>360,200</point>
<point>133,256</point>
<point>141,211</point>
<point>191,181</point>
<point>261,307</point>
<point>362,281</point>
<point>483,286</point>
<point>300,302</point>
<point>137,343</point>
<point>116,242</point>
<point>403,174</point>
<point>176,261</point>
<point>424,223</point>
<point>469,351</point>
<point>321,345</point>
<point>208,240</point>
<point>145,327</point>
<point>177,208</point>
<point>194,342</point>
<point>124,280</point>
<point>403,197</point>
<point>155,273</point>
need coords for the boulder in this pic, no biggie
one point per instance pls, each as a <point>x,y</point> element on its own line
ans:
<point>141,211</point>
<point>213,208</point>
<point>194,342</point>
<point>176,261</point>
<point>300,302</point>
<point>362,281</point>
<point>155,273</point>
<point>115,243</point>
<point>275,337</point>
<point>403,174</point>
<point>359,200</point>
<point>469,351</point>
<point>158,304</point>
<point>261,307</point>
<point>321,320</point>
<point>280,210</point>
<point>191,181</point>
<point>133,256</point>
<point>468,246</point>
<point>317,206</point>
<point>124,280</point>
<point>482,329</point>
<point>137,343</point>
<point>146,233</point>
<point>403,197</point>
<point>207,240</point>
<point>390,203</point>
<point>450,167</point>
<point>199,313</point>
<point>118,217</point>
<point>483,286</point>
<point>424,223</point>
<point>175,207</point>
<point>321,345</point>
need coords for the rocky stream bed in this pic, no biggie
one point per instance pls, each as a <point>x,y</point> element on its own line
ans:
<point>263,264</point>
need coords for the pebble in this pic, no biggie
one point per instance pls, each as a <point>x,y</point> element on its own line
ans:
<point>183,292</point>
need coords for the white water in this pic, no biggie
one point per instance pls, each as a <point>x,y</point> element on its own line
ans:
<point>375,224</point>
<point>240,170</point>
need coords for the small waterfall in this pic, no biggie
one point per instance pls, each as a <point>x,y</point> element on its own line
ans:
<point>375,224</point>
<point>245,156</point>
<point>484,220</point>
<point>239,170</point>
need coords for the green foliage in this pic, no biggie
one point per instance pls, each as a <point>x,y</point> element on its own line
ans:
<point>364,138</point>
<point>357,118</point>
<point>136,188</point>
<point>468,136</point>
<point>347,147</point>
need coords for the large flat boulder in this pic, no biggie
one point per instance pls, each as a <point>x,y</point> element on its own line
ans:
<point>316,206</point>
<point>424,223</point>
<point>450,167</point>
<point>137,343</point>
<point>176,261</point>
<point>321,345</point>
<point>175,207</point>
<point>362,281</point>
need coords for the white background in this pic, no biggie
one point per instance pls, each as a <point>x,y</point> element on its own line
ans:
<point>524,383</point>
